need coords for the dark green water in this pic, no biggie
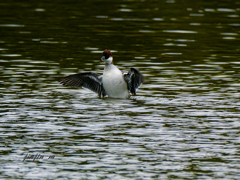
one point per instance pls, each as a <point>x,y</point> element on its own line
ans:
<point>183,123</point>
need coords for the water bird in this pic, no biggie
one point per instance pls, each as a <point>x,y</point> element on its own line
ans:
<point>113,83</point>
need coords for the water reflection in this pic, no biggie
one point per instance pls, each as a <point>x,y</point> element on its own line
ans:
<point>184,121</point>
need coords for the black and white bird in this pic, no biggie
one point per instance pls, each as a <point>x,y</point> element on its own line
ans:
<point>113,82</point>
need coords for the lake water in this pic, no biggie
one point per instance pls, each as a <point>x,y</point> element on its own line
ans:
<point>184,122</point>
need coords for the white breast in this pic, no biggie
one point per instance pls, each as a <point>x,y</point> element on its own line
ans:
<point>113,82</point>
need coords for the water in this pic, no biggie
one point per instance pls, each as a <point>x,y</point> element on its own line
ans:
<point>183,123</point>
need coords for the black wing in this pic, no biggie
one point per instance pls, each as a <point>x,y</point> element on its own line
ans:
<point>90,80</point>
<point>134,79</point>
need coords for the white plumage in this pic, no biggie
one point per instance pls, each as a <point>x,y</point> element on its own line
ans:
<point>114,83</point>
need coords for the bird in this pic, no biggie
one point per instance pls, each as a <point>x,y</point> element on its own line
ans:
<point>113,83</point>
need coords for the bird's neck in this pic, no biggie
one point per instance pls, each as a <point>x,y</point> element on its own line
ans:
<point>108,66</point>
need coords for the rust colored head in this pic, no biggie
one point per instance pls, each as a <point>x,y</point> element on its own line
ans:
<point>107,56</point>
<point>107,53</point>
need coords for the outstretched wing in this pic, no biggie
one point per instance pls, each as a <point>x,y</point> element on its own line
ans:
<point>90,80</point>
<point>134,79</point>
